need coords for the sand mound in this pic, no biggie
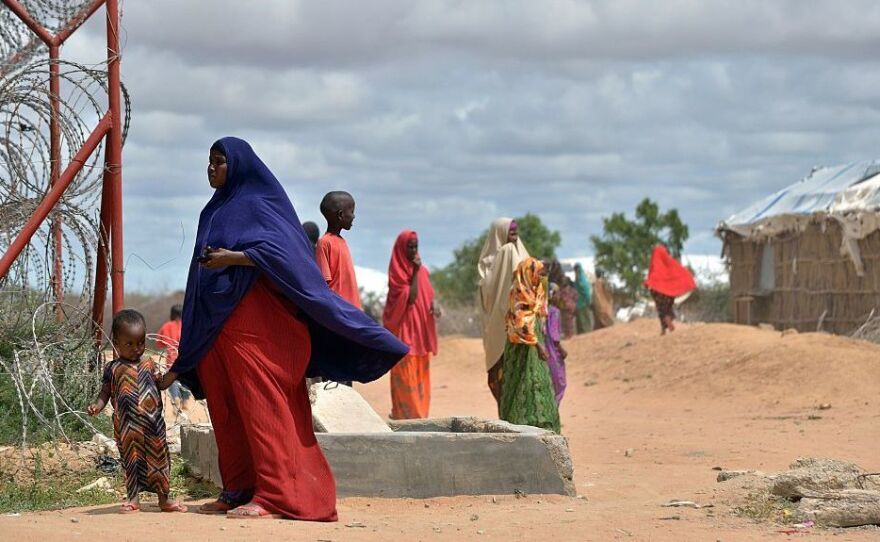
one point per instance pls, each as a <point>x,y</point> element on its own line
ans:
<point>724,360</point>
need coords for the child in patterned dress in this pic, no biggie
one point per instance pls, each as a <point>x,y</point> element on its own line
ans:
<point>138,425</point>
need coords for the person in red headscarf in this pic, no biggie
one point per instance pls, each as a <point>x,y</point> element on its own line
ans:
<point>410,313</point>
<point>667,279</point>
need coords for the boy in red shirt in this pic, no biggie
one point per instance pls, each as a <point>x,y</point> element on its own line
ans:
<point>331,252</point>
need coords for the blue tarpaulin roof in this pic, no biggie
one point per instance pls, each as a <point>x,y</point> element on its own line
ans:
<point>825,189</point>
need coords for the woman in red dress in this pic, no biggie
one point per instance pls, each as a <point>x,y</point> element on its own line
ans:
<point>257,319</point>
<point>667,279</point>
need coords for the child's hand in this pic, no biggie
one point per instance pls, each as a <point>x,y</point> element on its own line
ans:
<point>563,352</point>
<point>94,409</point>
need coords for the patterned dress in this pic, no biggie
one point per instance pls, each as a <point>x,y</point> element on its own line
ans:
<point>527,396</point>
<point>138,426</point>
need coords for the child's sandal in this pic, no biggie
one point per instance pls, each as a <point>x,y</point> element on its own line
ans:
<point>129,508</point>
<point>174,507</point>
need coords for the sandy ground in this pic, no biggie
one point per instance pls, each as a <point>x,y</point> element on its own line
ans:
<point>707,396</point>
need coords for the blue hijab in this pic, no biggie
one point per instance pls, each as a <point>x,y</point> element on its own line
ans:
<point>253,214</point>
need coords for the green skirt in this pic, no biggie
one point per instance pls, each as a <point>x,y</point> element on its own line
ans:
<point>527,395</point>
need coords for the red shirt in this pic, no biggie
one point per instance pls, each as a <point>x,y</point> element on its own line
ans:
<point>168,339</point>
<point>334,261</point>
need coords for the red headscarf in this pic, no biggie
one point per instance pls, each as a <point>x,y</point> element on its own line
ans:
<point>413,324</point>
<point>667,276</point>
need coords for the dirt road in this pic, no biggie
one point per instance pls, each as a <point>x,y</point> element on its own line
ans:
<point>707,396</point>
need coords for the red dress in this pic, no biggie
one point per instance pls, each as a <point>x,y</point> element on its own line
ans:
<point>254,382</point>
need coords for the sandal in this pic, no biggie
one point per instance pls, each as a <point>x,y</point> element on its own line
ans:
<point>129,508</point>
<point>215,508</point>
<point>251,511</point>
<point>176,506</point>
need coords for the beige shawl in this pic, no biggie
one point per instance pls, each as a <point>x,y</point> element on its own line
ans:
<point>498,261</point>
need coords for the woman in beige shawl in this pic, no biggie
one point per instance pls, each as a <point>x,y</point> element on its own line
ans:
<point>501,253</point>
<point>603,302</point>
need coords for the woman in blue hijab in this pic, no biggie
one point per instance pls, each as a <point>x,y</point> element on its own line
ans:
<point>258,318</point>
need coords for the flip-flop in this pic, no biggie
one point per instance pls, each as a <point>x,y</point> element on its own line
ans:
<point>215,508</point>
<point>129,508</point>
<point>174,507</point>
<point>251,511</point>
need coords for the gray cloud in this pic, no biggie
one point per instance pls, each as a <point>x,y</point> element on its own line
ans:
<point>440,116</point>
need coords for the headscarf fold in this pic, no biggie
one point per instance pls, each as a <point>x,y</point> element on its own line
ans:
<point>498,260</point>
<point>667,276</point>
<point>413,323</point>
<point>528,302</point>
<point>582,284</point>
<point>252,213</point>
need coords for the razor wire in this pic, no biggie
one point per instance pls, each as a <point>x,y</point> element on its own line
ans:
<point>49,367</point>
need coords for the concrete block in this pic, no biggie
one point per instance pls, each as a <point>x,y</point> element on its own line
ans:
<point>340,409</point>
<point>431,458</point>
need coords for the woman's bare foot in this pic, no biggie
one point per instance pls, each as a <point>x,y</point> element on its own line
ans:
<point>250,510</point>
<point>215,507</point>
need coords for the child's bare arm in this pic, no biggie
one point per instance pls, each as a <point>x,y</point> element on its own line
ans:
<point>95,408</point>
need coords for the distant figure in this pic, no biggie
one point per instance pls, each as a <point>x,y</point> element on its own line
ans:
<point>138,426</point>
<point>585,299</point>
<point>410,313</point>
<point>312,232</point>
<point>603,302</point>
<point>168,337</point>
<point>556,354</point>
<point>667,279</point>
<point>527,395</point>
<point>331,251</point>
<point>501,253</point>
<point>567,298</point>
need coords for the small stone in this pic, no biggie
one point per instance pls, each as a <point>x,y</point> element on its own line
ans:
<point>569,509</point>
<point>438,530</point>
<point>222,528</point>
<point>475,517</point>
<point>74,520</point>
<point>629,452</point>
<point>825,406</point>
<point>427,505</point>
<point>481,532</point>
<point>582,497</point>
<point>494,500</point>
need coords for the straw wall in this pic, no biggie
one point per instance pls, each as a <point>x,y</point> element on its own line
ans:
<point>813,280</point>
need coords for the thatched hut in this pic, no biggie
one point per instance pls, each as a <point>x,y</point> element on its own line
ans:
<point>808,256</point>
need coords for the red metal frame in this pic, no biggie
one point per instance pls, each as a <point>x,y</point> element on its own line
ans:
<point>110,126</point>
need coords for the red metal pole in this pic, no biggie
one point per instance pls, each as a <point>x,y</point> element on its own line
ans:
<point>77,21</point>
<point>101,265</point>
<point>54,172</point>
<point>113,173</point>
<point>54,194</point>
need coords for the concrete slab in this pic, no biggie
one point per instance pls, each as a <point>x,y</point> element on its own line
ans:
<point>337,408</point>
<point>428,458</point>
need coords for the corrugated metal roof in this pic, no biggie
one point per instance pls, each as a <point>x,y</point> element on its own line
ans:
<point>843,188</point>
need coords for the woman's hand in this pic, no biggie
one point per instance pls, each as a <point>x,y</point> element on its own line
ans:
<point>218,258</point>
<point>95,408</point>
<point>163,382</point>
<point>542,351</point>
<point>417,262</point>
<point>435,310</point>
<point>563,352</point>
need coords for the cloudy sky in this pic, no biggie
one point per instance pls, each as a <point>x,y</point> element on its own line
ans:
<point>442,115</point>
